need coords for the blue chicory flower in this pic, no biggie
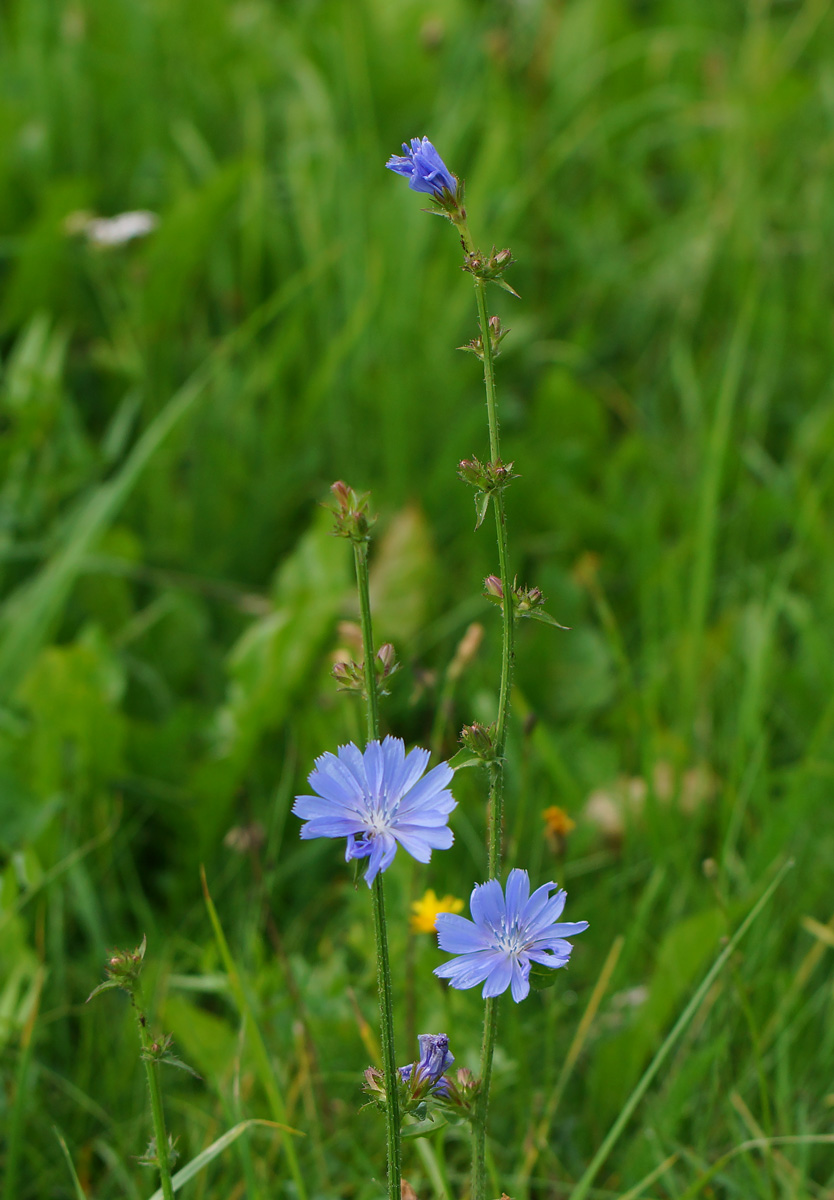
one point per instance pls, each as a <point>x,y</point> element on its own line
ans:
<point>435,1058</point>
<point>505,935</point>
<point>424,168</point>
<point>378,799</point>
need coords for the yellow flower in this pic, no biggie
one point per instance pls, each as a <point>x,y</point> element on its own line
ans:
<point>557,822</point>
<point>426,910</point>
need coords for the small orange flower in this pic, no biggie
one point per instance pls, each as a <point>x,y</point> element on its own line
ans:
<point>425,911</point>
<point>557,822</point>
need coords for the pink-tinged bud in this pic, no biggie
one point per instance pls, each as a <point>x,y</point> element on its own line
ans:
<point>350,676</point>
<point>471,471</point>
<point>341,493</point>
<point>351,513</point>
<point>387,656</point>
<point>480,740</point>
<point>527,598</point>
<point>493,588</point>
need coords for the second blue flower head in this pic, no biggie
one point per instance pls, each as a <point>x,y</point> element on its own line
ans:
<point>424,169</point>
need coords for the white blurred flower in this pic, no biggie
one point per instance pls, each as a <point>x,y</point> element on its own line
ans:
<point>112,231</point>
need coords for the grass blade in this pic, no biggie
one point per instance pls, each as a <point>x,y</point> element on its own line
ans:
<point>263,1065</point>
<point>211,1152</point>
<point>582,1188</point>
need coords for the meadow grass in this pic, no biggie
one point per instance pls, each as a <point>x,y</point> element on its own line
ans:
<point>173,412</point>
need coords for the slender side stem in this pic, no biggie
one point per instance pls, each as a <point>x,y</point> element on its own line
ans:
<point>157,1113</point>
<point>495,804</point>
<point>360,558</point>
<point>482,1102</point>
<point>389,1057</point>
<point>383,966</point>
<point>495,809</point>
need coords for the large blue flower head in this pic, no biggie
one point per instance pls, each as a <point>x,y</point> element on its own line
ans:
<point>424,168</point>
<point>378,799</point>
<point>505,935</point>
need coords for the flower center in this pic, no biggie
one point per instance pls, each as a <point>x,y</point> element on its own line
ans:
<point>510,939</point>
<point>381,813</point>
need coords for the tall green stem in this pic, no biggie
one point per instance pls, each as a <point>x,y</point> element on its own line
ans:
<point>495,804</point>
<point>160,1134</point>
<point>360,558</point>
<point>495,809</point>
<point>386,1006</point>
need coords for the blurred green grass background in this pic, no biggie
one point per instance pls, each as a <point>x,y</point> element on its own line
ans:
<point>173,412</point>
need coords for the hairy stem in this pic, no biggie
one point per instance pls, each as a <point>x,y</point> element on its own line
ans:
<point>160,1134</point>
<point>383,966</point>
<point>360,558</point>
<point>495,804</point>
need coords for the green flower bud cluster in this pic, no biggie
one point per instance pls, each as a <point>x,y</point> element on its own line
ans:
<point>527,601</point>
<point>352,519</point>
<point>488,478</point>
<point>351,675</point>
<point>489,267</point>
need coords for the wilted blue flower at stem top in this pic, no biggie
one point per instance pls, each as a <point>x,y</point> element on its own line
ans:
<point>497,946</point>
<point>424,168</point>
<point>435,1059</point>
<point>378,799</point>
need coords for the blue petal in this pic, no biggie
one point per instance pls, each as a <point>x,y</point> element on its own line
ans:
<point>518,893</point>
<point>373,762</point>
<point>382,855</point>
<point>567,929</point>
<point>469,969</point>
<point>431,786</point>
<point>352,761</point>
<point>416,846</point>
<point>315,806</point>
<point>549,960</point>
<point>457,935</point>
<point>559,947</point>
<point>334,782</point>
<point>403,777</point>
<point>393,756</point>
<point>520,982</point>
<point>360,849</point>
<point>536,903</point>
<point>335,827</point>
<point>420,842</point>
<point>553,909</point>
<point>499,978</point>
<point>487,904</point>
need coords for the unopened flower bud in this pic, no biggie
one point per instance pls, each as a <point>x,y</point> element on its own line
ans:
<point>351,513</point>
<point>527,598</point>
<point>470,471</point>
<point>493,587</point>
<point>479,740</point>
<point>387,657</point>
<point>496,334</point>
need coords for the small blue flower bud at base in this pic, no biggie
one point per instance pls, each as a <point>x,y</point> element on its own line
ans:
<point>426,172</point>
<point>424,168</point>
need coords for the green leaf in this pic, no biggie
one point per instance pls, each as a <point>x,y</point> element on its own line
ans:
<point>422,1128</point>
<point>538,614</point>
<point>173,1061</point>
<point>542,977</point>
<point>481,506</point>
<point>107,986</point>
<point>217,1147</point>
<point>465,758</point>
